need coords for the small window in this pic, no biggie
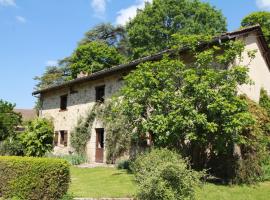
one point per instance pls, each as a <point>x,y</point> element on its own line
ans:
<point>63,138</point>
<point>100,94</point>
<point>63,102</point>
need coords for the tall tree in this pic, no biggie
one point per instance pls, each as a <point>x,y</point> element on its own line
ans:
<point>153,27</point>
<point>92,57</point>
<point>112,35</point>
<point>262,18</point>
<point>53,75</point>
<point>9,120</point>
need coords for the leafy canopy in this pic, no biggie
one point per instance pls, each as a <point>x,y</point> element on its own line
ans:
<point>37,139</point>
<point>152,29</point>
<point>9,120</point>
<point>92,57</point>
<point>262,18</point>
<point>177,102</point>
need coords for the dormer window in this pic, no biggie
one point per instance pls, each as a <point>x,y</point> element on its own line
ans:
<point>100,94</point>
<point>63,102</point>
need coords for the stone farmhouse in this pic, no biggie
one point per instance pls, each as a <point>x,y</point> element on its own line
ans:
<point>67,102</point>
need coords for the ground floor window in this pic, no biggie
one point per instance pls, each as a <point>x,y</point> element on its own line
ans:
<point>61,138</point>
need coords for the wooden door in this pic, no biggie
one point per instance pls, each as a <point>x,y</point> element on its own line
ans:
<point>99,145</point>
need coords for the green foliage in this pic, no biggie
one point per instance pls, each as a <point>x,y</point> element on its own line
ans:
<point>152,29</point>
<point>118,130</point>
<point>265,101</point>
<point>114,36</point>
<point>92,57</point>
<point>9,120</point>
<point>81,134</point>
<point>54,75</point>
<point>74,159</point>
<point>124,164</point>
<point>163,174</point>
<point>12,147</point>
<point>262,18</point>
<point>37,139</point>
<point>196,102</point>
<point>33,178</point>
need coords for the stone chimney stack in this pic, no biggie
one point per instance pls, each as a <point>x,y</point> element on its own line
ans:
<point>82,74</point>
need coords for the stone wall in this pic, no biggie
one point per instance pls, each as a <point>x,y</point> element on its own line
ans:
<point>81,99</point>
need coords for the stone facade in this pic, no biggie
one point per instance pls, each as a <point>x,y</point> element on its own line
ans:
<point>80,100</point>
<point>82,96</point>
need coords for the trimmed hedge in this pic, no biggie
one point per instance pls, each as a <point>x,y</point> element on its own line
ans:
<point>29,178</point>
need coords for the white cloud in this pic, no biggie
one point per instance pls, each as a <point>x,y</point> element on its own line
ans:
<point>124,15</point>
<point>263,4</point>
<point>99,7</point>
<point>7,3</point>
<point>21,19</point>
<point>51,63</point>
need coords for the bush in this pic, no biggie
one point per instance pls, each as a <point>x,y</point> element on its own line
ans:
<point>124,164</point>
<point>11,147</point>
<point>163,174</point>
<point>38,137</point>
<point>27,178</point>
<point>74,159</point>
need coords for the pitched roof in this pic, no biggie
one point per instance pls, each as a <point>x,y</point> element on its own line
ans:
<point>116,69</point>
<point>27,114</point>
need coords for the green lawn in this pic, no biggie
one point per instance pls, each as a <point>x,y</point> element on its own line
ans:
<point>101,182</point>
<point>110,182</point>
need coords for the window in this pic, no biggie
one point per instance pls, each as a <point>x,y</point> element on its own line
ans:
<point>100,94</point>
<point>63,102</point>
<point>63,138</point>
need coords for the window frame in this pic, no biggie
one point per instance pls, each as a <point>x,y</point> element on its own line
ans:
<point>63,104</point>
<point>100,98</point>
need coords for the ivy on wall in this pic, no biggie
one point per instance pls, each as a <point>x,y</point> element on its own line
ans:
<point>118,136</point>
<point>81,134</point>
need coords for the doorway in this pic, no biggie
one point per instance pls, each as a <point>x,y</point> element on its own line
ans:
<point>99,145</point>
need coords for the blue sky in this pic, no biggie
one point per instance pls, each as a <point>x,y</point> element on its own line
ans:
<point>36,33</point>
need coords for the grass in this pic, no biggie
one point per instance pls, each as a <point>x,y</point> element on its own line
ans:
<point>101,182</point>
<point>110,182</point>
<point>214,192</point>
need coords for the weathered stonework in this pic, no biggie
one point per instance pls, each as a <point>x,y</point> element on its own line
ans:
<point>81,99</point>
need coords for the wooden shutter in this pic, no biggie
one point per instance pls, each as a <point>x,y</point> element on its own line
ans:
<point>55,139</point>
<point>65,138</point>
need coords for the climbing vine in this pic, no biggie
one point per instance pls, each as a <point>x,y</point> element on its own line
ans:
<point>118,136</point>
<point>81,134</point>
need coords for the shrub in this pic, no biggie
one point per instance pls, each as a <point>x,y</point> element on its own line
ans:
<point>11,147</point>
<point>163,174</point>
<point>27,178</point>
<point>38,137</point>
<point>124,164</point>
<point>74,159</point>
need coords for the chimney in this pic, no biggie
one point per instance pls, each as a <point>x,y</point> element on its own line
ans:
<point>82,74</point>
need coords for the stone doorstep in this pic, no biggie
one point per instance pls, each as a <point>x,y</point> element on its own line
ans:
<point>103,199</point>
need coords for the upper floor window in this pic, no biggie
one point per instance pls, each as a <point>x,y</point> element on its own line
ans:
<point>100,94</point>
<point>63,102</point>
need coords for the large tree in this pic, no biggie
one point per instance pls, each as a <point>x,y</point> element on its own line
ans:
<point>262,18</point>
<point>115,36</point>
<point>92,57</point>
<point>153,27</point>
<point>193,108</point>
<point>9,120</point>
<point>52,76</point>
